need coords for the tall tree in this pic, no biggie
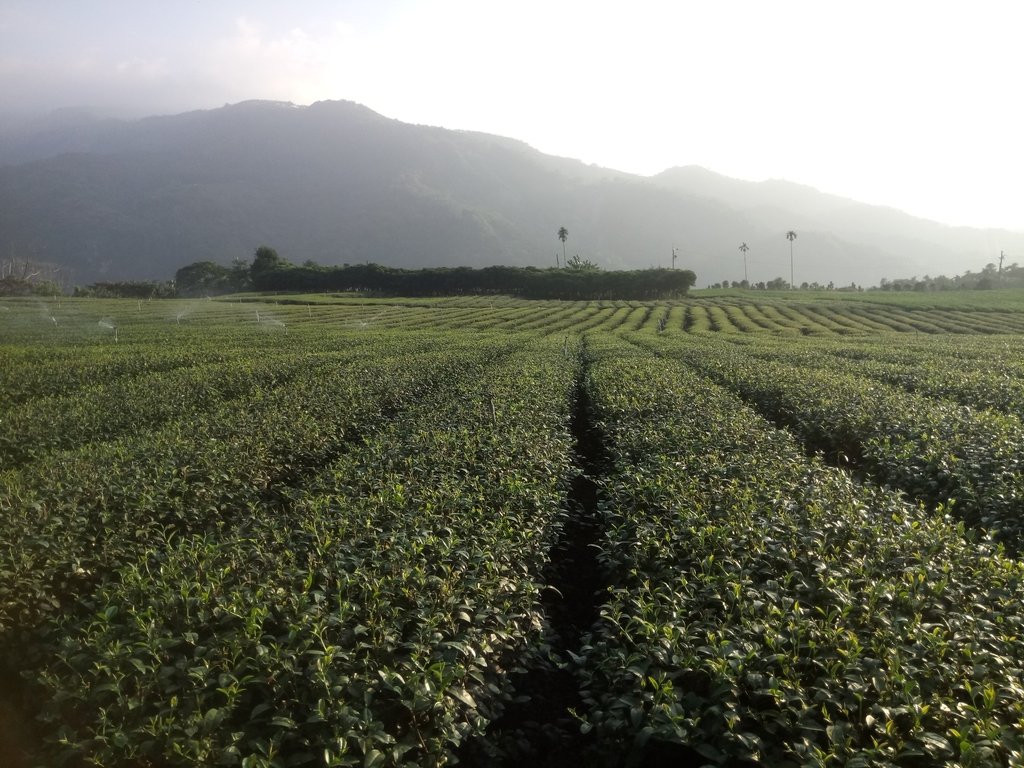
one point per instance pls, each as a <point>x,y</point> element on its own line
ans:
<point>743,249</point>
<point>791,236</point>
<point>265,263</point>
<point>203,277</point>
<point>563,235</point>
<point>266,259</point>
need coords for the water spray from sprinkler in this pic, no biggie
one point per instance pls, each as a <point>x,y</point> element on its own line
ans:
<point>110,326</point>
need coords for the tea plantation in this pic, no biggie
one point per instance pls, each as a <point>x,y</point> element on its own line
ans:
<point>729,530</point>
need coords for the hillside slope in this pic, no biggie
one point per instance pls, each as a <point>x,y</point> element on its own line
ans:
<point>337,183</point>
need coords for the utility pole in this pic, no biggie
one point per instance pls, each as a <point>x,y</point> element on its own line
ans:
<point>673,257</point>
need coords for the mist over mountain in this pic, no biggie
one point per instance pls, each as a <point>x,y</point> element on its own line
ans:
<point>884,242</point>
<point>337,183</point>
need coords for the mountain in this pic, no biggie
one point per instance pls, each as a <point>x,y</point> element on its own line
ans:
<point>337,183</point>
<point>833,230</point>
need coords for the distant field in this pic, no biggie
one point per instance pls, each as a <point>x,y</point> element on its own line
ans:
<point>1009,300</point>
<point>809,313</point>
<point>734,529</point>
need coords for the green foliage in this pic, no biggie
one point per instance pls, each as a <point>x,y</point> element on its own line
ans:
<point>581,265</point>
<point>12,286</point>
<point>938,452</point>
<point>764,607</point>
<point>320,531</point>
<point>205,278</point>
<point>580,281</point>
<point>142,289</point>
<point>339,568</point>
<point>267,260</point>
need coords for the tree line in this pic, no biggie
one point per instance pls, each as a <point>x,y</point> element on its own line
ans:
<point>989,278</point>
<point>579,279</point>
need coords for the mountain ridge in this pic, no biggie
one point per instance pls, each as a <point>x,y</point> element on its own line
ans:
<point>336,182</point>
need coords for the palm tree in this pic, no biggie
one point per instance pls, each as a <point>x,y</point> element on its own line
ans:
<point>563,234</point>
<point>791,236</point>
<point>743,249</point>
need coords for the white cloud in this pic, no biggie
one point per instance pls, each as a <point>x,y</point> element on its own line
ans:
<point>296,65</point>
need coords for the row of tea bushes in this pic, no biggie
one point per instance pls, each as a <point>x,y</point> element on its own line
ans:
<point>976,371</point>
<point>366,616</point>
<point>72,517</point>
<point>935,451</point>
<point>767,608</point>
<point>27,373</point>
<point>107,410</point>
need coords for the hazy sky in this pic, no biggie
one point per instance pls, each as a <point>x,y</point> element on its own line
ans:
<point>914,104</point>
